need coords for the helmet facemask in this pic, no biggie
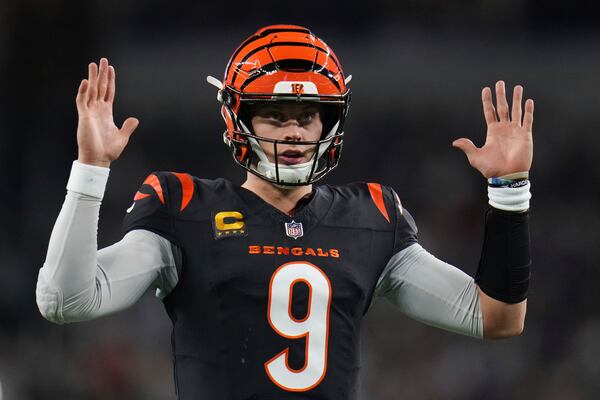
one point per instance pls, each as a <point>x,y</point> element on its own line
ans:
<point>291,174</point>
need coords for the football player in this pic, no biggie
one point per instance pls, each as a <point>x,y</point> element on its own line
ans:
<point>266,283</point>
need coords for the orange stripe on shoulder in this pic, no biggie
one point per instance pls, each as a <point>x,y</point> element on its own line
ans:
<point>187,186</point>
<point>139,195</point>
<point>377,197</point>
<point>154,183</point>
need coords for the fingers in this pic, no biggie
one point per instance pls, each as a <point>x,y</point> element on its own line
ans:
<point>488,108</point>
<point>516,113</point>
<point>129,126</point>
<point>516,104</point>
<point>501,101</point>
<point>93,83</point>
<point>100,83</point>
<point>102,79</point>
<point>467,147</point>
<point>528,118</point>
<point>110,93</point>
<point>80,99</point>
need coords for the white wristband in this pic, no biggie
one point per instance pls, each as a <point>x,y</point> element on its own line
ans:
<point>510,199</point>
<point>89,180</point>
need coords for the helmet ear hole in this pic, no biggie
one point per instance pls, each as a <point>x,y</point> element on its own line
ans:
<point>228,98</point>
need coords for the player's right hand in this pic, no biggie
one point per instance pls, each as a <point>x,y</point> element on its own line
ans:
<point>100,141</point>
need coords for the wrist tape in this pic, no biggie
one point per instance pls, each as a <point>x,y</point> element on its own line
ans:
<point>510,192</point>
<point>87,179</point>
<point>510,198</point>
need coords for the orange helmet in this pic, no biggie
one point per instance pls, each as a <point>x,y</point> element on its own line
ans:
<point>283,63</point>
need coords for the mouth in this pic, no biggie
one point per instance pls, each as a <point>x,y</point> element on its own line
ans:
<point>291,157</point>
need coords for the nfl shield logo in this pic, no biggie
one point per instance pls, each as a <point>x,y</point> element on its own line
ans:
<point>294,229</point>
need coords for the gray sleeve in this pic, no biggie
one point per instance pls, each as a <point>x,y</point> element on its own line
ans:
<point>77,282</point>
<point>432,291</point>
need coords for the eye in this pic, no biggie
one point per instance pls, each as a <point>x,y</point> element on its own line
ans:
<point>274,115</point>
<point>307,116</point>
<point>278,116</point>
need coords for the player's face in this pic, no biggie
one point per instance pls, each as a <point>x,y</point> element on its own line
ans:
<point>288,121</point>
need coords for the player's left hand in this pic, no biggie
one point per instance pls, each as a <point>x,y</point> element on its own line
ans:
<point>508,145</point>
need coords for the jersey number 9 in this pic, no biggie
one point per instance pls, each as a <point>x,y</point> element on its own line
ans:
<point>314,326</point>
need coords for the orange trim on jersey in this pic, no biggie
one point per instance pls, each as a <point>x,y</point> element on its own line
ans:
<point>377,196</point>
<point>154,183</point>
<point>139,195</point>
<point>187,187</point>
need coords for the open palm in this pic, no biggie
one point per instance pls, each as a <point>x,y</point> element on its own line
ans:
<point>508,145</point>
<point>100,141</point>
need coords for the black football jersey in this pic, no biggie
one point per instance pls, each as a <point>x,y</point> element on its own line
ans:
<point>269,306</point>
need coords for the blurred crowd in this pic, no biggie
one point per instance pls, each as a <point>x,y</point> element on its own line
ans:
<point>418,71</point>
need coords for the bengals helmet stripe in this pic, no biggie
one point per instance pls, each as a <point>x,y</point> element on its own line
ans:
<point>290,44</point>
<point>256,37</point>
<point>289,64</point>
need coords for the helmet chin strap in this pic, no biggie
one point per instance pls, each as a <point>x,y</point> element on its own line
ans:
<point>294,173</point>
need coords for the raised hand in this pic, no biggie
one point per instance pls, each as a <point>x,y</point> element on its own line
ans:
<point>508,145</point>
<point>100,141</point>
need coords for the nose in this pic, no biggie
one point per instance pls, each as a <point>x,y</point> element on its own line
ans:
<point>292,131</point>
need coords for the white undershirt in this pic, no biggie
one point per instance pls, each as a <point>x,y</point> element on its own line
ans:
<point>78,282</point>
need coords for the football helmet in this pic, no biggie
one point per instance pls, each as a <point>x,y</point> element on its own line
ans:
<point>283,63</point>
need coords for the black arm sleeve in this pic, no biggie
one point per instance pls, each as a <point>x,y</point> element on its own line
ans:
<point>504,267</point>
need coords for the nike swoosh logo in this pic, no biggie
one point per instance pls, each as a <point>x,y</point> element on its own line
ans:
<point>130,208</point>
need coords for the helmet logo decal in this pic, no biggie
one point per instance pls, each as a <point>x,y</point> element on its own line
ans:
<point>297,88</point>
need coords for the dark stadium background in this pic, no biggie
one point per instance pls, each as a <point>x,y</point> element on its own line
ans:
<point>418,69</point>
